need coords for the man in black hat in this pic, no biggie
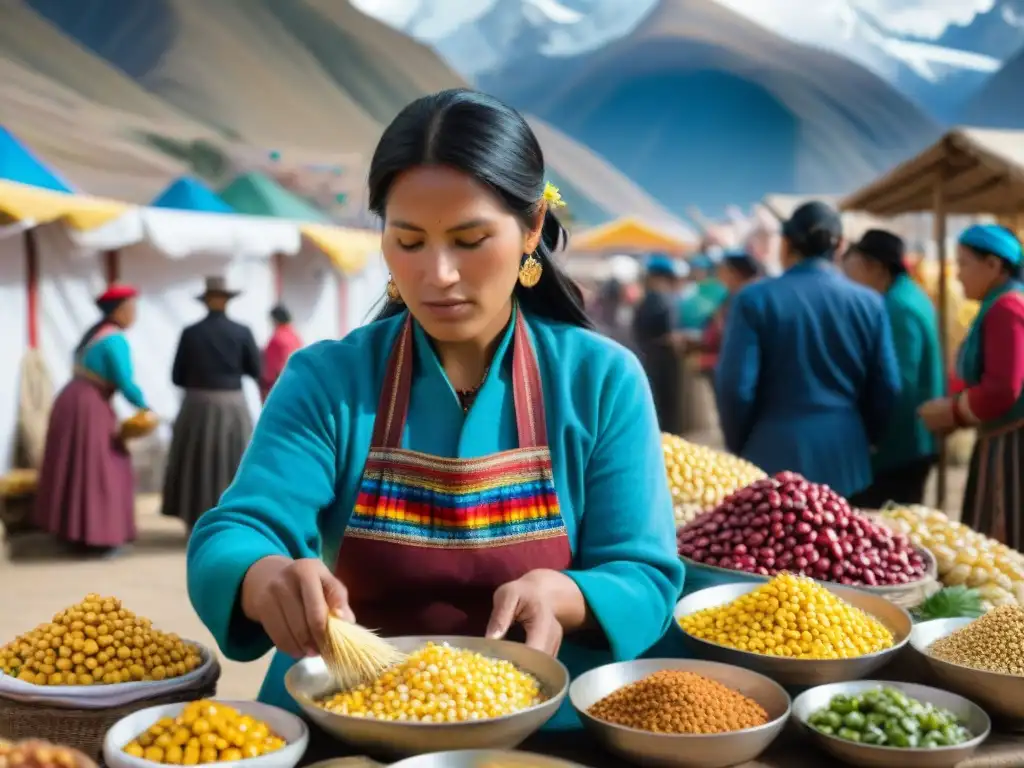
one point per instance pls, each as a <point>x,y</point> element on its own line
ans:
<point>214,425</point>
<point>905,453</point>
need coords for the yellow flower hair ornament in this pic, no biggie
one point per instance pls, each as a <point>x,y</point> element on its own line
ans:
<point>553,196</point>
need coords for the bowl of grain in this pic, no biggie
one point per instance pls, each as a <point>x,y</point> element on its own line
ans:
<point>981,659</point>
<point>450,693</point>
<point>680,713</point>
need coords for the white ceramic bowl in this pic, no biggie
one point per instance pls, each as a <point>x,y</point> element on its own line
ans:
<point>286,725</point>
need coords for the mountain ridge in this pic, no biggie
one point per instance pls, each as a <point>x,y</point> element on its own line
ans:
<point>312,81</point>
<point>671,105</point>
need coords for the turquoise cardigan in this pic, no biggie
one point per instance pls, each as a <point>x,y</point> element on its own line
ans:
<point>297,482</point>
<point>915,335</point>
<point>110,358</point>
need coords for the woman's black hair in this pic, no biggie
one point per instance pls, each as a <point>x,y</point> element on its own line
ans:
<point>745,265</point>
<point>488,140</point>
<point>107,308</point>
<point>884,248</point>
<point>814,230</point>
<point>1014,271</point>
<point>280,315</point>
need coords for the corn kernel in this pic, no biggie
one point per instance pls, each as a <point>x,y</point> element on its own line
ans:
<point>809,623</point>
<point>439,683</point>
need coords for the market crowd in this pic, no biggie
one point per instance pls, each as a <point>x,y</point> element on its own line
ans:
<point>833,368</point>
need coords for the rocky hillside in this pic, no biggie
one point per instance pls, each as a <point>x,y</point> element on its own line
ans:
<point>122,95</point>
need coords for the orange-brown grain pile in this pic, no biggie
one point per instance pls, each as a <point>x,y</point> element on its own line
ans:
<point>40,754</point>
<point>673,701</point>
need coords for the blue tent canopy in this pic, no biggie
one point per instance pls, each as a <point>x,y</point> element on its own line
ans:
<point>188,194</point>
<point>18,164</point>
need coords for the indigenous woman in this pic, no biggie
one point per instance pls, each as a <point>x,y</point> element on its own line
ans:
<point>807,375</point>
<point>735,272</point>
<point>904,456</point>
<point>86,489</point>
<point>991,365</point>
<point>475,461</point>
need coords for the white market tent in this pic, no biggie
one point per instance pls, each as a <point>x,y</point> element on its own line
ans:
<point>969,171</point>
<point>166,253</point>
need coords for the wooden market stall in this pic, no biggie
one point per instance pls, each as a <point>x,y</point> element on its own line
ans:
<point>968,171</point>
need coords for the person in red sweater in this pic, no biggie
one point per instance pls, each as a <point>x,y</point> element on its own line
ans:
<point>736,271</point>
<point>283,342</point>
<point>991,365</point>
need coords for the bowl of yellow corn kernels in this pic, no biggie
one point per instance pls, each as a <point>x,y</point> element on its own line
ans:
<point>794,630</point>
<point>228,733</point>
<point>450,693</point>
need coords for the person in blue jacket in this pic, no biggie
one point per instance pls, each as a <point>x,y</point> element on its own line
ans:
<point>476,461</point>
<point>807,374</point>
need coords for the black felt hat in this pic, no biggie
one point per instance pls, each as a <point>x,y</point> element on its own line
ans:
<point>882,246</point>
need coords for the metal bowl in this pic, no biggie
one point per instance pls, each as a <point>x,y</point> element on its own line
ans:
<point>897,593</point>
<point>484,758</point>
<point>871,756</point>
<point>798,671</point>
<point>683,750</point>
<point>309,681</point>
<point>469,758</point>
<point>1002,695</point>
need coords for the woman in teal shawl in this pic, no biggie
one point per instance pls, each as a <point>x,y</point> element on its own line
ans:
<point>991,365</point>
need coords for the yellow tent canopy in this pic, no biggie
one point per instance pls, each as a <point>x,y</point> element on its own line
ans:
<point>633,235</point>
<point>348,249</point>
<point>22,202</point>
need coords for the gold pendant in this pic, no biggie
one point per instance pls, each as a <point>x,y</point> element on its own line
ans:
<point>530,272</point>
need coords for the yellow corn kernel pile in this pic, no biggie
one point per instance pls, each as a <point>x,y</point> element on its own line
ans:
<point>791,616</point>
<point>97,642</point>
<point>963,555</point>
<point>205,732</point>
<point>439,684</point>
<point>701,477</point>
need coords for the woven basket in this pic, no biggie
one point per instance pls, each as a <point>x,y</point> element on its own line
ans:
<point>16,513</point>
<point>85,729</point>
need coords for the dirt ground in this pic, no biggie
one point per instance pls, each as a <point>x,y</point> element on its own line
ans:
<point>150,579</point>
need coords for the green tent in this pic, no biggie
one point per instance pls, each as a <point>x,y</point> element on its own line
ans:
<point>258,195</point>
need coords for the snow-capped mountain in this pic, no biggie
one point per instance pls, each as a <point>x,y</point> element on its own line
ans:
<point>923,50</point>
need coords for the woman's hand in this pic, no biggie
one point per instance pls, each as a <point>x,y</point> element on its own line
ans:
<point>545,603</point>
<point>292,600</point>
<point>937,416</point>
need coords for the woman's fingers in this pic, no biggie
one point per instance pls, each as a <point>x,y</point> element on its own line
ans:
<point>506,603</point>
<point>336,595</point>
<point>315,608</point>
<point>543,632</point>
<point>278,628</point>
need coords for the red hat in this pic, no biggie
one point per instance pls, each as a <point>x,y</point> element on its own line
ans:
<point>117,292</point>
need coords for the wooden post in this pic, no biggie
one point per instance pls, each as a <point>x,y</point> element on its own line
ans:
<point>278,267</point>
<point>939,233</point>
<point>112,266</point>
<point>32,287</point>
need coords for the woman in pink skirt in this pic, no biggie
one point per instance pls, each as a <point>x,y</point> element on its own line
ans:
<point>86,489</point>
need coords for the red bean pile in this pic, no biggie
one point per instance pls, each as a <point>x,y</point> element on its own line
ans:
<point>786,523</point>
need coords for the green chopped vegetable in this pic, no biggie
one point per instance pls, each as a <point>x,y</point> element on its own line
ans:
<point>957,602</point>
<point>888,717</point>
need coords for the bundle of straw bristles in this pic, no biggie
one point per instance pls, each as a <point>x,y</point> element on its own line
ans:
<point>355,655</point>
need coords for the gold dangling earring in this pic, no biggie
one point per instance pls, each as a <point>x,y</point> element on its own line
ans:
<point>392,291</point>
<point>530,271</point>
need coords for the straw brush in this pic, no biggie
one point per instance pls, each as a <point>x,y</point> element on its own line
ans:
<point>355,655</point>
